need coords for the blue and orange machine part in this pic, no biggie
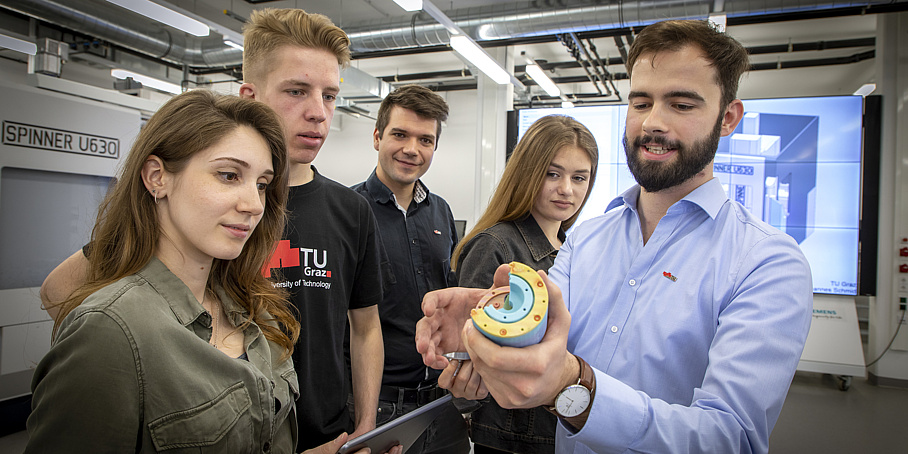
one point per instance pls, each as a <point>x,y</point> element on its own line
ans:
<point>514,316</point>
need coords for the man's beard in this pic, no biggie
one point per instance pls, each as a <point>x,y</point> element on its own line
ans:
<point>656,175</point>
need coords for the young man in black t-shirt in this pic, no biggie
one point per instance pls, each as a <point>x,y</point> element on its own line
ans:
<point>329,258</point>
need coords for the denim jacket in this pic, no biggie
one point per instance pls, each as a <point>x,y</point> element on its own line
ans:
<point>523,431</point>
<point>131,370</point>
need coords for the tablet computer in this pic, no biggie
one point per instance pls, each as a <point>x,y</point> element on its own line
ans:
<point>401,431</point>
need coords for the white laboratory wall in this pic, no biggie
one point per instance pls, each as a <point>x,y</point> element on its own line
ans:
<point>892,73</point>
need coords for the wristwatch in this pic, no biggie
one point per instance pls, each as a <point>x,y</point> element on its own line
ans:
<point>573,403</point>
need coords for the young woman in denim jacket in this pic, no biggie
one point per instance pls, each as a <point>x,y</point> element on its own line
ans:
<point>176,341</point>
<point>544,186</point>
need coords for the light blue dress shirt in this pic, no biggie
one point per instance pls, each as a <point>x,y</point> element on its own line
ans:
<point>694,336</point>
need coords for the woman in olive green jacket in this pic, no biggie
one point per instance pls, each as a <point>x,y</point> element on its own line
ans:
<point>176,341</point>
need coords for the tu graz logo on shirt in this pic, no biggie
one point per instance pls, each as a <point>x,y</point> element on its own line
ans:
<point>312,261</point>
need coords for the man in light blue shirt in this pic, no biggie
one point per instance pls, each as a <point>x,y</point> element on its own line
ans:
<point>681,315</point>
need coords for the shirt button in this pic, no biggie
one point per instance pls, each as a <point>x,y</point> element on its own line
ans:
<point>414,241</point>
<point>614,329</point>
<point>266,447</point>
<point>418,270</point>
<point>632,282</point>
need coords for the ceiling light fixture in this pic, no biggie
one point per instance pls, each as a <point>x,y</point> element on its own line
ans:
<point>18,45</point>
<point>865,89</point>
<point>409,5</point>
<point>465,46</point>
<point>541,78</point>
<point>719,21</point>
<point>232,43</point>
<point>147,81</point>
<point>164,15</point>
<point>566,104</point>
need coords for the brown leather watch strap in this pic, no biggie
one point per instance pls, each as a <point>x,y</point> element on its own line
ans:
<point>588,381</point>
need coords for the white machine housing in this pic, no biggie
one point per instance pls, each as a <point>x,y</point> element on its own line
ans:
<point>58,155</point>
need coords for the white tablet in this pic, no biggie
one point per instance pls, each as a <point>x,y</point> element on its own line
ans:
<point>401,431</point>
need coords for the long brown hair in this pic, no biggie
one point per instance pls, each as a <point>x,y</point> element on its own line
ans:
<point>523,175</point>
<point>127,231</point>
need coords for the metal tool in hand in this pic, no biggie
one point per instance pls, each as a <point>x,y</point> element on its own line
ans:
<point>460,357</point>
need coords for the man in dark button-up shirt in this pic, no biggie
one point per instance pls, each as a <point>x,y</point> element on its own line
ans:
<point>417,230</point>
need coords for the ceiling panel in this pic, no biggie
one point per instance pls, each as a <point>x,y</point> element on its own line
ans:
<point>355,13</point>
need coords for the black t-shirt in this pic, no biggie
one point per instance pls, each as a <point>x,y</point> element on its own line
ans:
<point>329,260</point>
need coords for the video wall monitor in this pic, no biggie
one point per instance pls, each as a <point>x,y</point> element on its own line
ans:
<point>795,162</point>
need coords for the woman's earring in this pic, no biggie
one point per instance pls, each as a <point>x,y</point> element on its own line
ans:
<point>154,192</point>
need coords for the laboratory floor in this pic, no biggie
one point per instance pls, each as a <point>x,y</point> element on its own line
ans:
<point>817,418</point>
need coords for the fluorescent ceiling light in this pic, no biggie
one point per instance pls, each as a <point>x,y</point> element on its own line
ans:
<point>865,89</point>
<point>478,57</point>
<point>233,43</point>
<point>542,79</point>
<point>18,45</point>
<point>164,15</point>
<point>566,104</point>
<point>719,21</point>
<point>409,5</point>
<point>148,81</point>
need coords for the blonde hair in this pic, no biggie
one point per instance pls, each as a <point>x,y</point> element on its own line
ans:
<point>527,167</point>
<point>127,230</point>
<point>270,29</point>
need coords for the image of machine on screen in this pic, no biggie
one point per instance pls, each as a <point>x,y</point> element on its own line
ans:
<point>783,150</point>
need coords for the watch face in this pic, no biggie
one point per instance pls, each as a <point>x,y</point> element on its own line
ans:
<point>572,401</point>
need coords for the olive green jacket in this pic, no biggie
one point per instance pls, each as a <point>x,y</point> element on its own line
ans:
<point>131,370</point>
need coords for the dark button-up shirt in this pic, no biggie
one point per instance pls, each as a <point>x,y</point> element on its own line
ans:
<point>418,245</point>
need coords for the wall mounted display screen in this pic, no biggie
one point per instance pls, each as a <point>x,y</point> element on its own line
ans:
<point>796,162</point>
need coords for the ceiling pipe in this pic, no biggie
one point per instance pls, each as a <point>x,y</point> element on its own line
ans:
<point>456,76</point>
<point>609,79</point>
<point>568,41</point>
<point>99,19</point>
<point>520,20</point>
<point>525,19</point>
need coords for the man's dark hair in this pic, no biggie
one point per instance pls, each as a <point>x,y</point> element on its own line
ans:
<point>426,103</point>
<point>724,53</point>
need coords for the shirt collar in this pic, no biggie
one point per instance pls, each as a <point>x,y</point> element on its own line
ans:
<point>709,196</point>
<point>383,195</point>
<point>181,301</point>
<point>535,238</point>
<point>420,192</point>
